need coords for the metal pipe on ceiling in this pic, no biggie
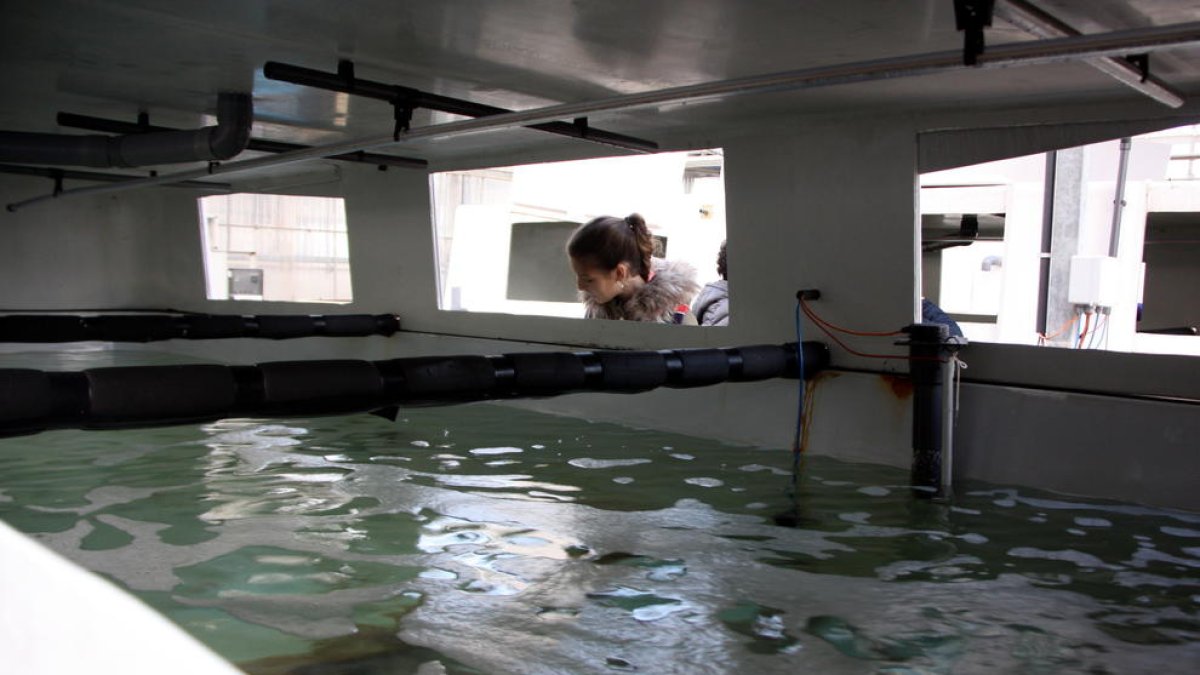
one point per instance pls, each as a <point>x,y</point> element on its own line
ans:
<point>998,56</point>
<point>1037,22</point>
<point>345,82</point>
<point>235,113</point>
<point>259,144</point>
<point>72,174</point>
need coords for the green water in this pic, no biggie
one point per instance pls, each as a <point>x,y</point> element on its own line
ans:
<point>486,539</point>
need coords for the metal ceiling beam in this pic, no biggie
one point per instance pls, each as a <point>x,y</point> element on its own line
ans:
<point>999,56</point>
<point>345,82</point>
<point>258,144</point>
<point>1034,21</point>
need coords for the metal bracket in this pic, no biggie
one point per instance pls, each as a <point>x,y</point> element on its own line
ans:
<point>345,71</point>
<point>972,16</point>
<point>1142,63</point>
<point>402,113</point>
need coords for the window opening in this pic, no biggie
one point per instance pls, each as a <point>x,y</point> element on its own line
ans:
<point>282,248</point>
<point>501,233</point>
<point>1131,290</point>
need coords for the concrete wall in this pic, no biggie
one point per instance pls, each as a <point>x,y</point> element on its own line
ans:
<point>135,249</point>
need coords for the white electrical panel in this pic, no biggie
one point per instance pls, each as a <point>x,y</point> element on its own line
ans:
<point>1095,280</point>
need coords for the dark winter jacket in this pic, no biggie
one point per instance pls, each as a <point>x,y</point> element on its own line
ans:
<point>712,306</point>
<point>673,283</point>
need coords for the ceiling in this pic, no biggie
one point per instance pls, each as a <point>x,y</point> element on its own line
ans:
<point>116,58</point>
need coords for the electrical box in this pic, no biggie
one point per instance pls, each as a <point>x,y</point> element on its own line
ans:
<point>1095,280</point>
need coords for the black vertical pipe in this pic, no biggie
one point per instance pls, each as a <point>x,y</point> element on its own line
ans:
<point>1047,240</point>
<point>925,348</point>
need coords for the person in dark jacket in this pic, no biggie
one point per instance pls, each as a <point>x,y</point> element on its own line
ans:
<point>712,306</point>
<point>618,278</point>
<point>931,313</point>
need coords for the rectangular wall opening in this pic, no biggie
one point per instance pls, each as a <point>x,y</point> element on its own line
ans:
<point>280,248</point>
<point>501,233</point>
<point>1091,247</point>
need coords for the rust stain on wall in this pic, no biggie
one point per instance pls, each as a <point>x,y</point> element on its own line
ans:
<point>900,386</point>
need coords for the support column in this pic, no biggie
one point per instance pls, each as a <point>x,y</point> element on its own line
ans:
<point>1067,205</point>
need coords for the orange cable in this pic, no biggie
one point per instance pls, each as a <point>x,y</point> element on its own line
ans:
<point>1062,329</point>
<point>813,315</point>
<point>1087,323</point>
<point>843,345</point>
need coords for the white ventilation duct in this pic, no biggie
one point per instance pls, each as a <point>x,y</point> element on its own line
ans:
<point>226,139</point>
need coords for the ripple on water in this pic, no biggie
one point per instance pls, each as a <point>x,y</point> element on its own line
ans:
<point>642,605</point>
<point>753,468</point>
<point>875,491</point>
<point>763,624</point>
<point>590,463</point>
<point>495,451</point>
<point>267,570</point>
<point>438,573</point>
<point>658,569</point>
<point>1077,558</point>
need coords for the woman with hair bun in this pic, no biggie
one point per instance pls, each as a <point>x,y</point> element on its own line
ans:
<point>618,278</point>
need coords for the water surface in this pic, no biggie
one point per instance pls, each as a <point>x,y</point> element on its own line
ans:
<point>485,539</point>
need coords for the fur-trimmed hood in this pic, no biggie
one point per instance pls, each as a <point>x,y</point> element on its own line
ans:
<point>673,283</point>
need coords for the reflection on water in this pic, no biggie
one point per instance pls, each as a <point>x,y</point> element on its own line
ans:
<point>485,539</point>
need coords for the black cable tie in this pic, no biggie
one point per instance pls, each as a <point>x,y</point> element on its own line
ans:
<point>143,120</point>
<point>57,175</point>
<point>581,123</point>
<point>212,166</point>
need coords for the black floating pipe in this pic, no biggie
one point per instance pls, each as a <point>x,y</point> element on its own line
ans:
<point>257,144</point>
<point>32,401</point>
<point>155,327</point>
<point>414,98</point>
<point>926,341</point>
<point>73,174</point>
<point>226,139</point>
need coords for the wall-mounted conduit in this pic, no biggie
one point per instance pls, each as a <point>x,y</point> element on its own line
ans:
<point>143,126</point>
<point>155,327</point>
<point>225,140</point>
<point>140,396</point>
<point>59,175</point>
